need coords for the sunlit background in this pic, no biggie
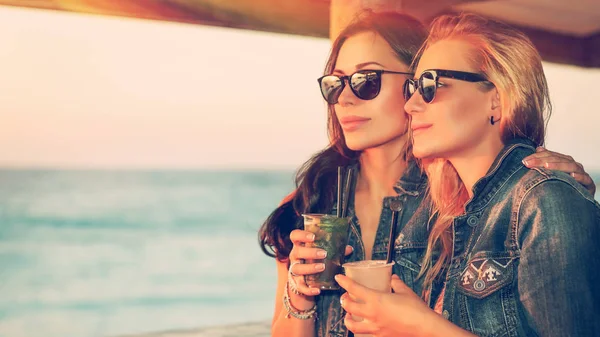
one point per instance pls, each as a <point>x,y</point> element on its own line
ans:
<point>140,157</point>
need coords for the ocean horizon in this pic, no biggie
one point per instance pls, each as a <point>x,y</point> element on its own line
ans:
<point>96,253</point>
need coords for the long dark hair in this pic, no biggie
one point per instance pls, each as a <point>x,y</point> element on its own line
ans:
<point>316,179</point>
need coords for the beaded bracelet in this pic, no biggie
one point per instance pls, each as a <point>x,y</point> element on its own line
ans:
<point>293,312</point>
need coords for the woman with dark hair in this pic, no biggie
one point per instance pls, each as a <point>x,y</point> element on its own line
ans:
<point>367,125</point>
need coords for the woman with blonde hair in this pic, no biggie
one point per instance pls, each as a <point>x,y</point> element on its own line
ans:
<point>512,251</point>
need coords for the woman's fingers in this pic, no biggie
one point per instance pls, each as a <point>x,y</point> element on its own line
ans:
<point>565,166</point>
<point>585,180</point>
<point>362,327</point>
<point>306,269</point>
<point>301,253</point>
<point>305,289</point>
<point>542,156</point>
<point>560,162</point>
<point>353,307</point>
<point>307,253</point>
<point>349,250</point>
<point>299,236</point>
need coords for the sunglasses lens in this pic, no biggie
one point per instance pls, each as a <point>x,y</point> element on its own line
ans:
<point>366,85</point>
<point>331,88</point>
<point>408,89</point>
<point>428,86</point>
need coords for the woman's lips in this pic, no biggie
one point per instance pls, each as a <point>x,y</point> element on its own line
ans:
<point>418,128</point>
<point>351,123</point>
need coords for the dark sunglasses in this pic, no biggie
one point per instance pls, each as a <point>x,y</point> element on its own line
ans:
<point>428,83</point>
<point>365,84</point>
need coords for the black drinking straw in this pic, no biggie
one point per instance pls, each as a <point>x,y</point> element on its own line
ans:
<point>395,206</point>
<point>347,191</point>
<point>339,192</point>
<point>345,210</point>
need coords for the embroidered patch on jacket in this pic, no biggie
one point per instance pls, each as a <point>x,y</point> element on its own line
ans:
<point>484,276</point>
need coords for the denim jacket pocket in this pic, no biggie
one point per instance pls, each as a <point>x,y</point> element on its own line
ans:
<point>409,258</point>
<point>408,266</point>
<point>485,273</point>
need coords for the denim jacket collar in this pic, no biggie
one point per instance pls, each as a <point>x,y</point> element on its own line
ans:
<point>508,161</point>
<point>412,181</point>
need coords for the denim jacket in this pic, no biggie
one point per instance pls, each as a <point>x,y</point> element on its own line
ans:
<point>526,258</point>
<point>410,245</point>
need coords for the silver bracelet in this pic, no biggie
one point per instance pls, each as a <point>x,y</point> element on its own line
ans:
<point>292,283</point>
<point>293,287</point>
<point>290,272</point>
<point>293,312</point>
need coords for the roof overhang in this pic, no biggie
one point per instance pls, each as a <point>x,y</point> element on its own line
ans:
<point>563,31</point>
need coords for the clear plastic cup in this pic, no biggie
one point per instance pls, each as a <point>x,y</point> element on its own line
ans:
<point>331,234</point>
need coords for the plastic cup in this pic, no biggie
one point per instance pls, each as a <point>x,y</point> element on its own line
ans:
<point>331,234</point>
<point>374,274</point>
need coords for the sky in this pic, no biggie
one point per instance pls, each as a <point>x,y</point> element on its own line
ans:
<point>87,91</point>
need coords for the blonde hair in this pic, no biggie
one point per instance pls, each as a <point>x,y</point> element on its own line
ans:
<point>511,62</point>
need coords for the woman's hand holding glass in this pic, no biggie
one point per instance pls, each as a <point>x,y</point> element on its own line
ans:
<point>298,269</point>
<point>402,313</point>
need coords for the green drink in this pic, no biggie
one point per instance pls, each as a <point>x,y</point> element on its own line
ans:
<point>331,235</point>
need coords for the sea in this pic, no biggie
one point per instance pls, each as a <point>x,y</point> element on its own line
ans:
<point>113,253</point>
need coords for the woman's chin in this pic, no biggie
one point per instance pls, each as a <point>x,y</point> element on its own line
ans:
<point>421,153</point>
<point>357,145</point>
<point>365,143</point>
